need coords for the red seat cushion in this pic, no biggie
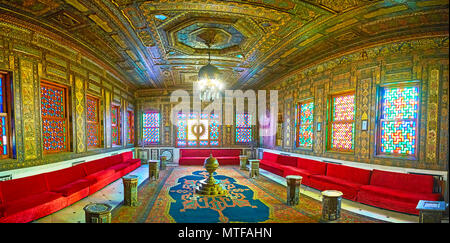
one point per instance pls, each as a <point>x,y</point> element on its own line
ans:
<point>31,201</point>
<point>22,187</point>
<point>72,187</point>
<point>305,174</point>
<point>63,177</point>
<point>348,188</point>
<point>228,160</point>
<point>400,195</point>
<point>287,160</point>
<point>134,161</point>
<point>271,167</point>
<point>120,166</point>
<point>100,175</point>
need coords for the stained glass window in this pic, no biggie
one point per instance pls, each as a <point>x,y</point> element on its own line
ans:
<point>398,121</point>
<point>115,124</point>
<point>92,122</point>
<point>54,118</point>
<point>151,123</point>
<point>341,128</point>
<point>130,126</point>
<point>305,124</point>
<point>198,130</point>
<point>4,117</point>
<point>243,128</point>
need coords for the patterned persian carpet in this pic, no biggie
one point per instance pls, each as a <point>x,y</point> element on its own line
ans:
<point>171,199</point>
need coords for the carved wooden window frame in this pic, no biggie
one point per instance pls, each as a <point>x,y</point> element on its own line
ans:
<point>7,114</point>
<point>130,126</point>
<point>158,127</point>
<point>331,122</point>
<point>381,89</point>
<point>219,140</point>
<point>66,114</point>
<point>298,124</point>
<point>117,124</point>
<point>97,122</point>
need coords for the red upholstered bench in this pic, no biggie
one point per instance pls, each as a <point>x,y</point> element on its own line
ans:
<point>397,191</point>
<point>70,182</point>
<point>306,168</point>
<point>271,163</point>
<point>29,198</point>
<point>26,199</point>
<point>343,178</point>
<point>198,156</point>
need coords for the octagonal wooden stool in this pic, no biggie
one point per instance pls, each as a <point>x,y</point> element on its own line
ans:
<point>331,206</point>
<point>130,185</point>
<point>243,161</point>
<point>163,162</point>
<point>153,170</point>
<point>254,168</point>
<point>293,189</point>
<point>97,213</point>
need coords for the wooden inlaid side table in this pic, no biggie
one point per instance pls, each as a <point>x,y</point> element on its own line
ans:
<point>153,170</point>
<point>243,161</point>
<point>293,189</point>
<point>163,162</point>
<point>130,184</point>
<point>254,168</point>
<point>430,211</point>
<point>97,213</point>
<point>331,206</point>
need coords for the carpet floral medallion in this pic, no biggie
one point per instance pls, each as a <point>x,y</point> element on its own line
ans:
<point>172,199</point>
<point>239,205</point>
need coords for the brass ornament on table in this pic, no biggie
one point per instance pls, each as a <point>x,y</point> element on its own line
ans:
<point>209,186</point>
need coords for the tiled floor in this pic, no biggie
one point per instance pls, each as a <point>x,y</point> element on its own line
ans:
<point>113,195</point>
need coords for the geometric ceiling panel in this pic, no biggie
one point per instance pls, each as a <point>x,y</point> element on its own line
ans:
<point>161,44</point>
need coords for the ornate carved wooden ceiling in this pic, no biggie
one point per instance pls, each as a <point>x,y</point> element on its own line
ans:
<point>160,44</point>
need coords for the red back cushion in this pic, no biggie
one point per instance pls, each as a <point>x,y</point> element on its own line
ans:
<point>96,165</point>
<point>403,181</point>
<point>357,175</point>
<point>303,163</point>
<point>313,166</point>
<point>22,187</point>
<point>127,156</point>
<point>270,156</point>
<point>195,152</point>
<point>287,160</point>
<point>225,152</point>
<point>116,159</point>
<point>62,177</point>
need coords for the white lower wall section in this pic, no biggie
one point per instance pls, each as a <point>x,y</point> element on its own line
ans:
<point>34,170</point>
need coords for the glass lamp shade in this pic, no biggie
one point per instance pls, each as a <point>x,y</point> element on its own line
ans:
<point>208,72</point>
